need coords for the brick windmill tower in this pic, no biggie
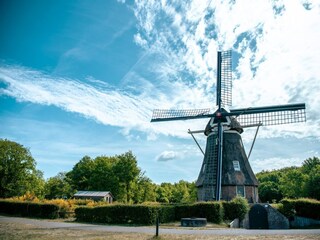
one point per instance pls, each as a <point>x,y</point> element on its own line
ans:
<point>225,171</point>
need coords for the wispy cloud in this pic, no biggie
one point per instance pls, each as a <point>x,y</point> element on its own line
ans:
<point>107,106</point>
<point>74,96</point>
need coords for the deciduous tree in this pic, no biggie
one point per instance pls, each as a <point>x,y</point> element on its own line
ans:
<point>126,169</point>
<point>18,173</point>
<point>58,187</point>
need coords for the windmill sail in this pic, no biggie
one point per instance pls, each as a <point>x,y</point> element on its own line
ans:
<point>159,115</point>
<point>224,79</point>
<point>272,115</point>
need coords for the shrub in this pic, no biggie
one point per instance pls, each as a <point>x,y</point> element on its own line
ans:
<point>27,209</point>
<point>210,210</point>
<point>65,206</point>
<point>287,208</point>
<point>307,208</point>
<point>166,213</point>
<point>302,207</point>
<point>236,208</point>
<point>124,214</point>
<point>147,214</point>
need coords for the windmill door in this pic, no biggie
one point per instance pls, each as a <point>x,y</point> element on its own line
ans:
<point>258,217</point>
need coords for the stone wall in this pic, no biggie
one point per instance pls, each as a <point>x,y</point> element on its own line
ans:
<point>302,222</point>
<point>275,219</point>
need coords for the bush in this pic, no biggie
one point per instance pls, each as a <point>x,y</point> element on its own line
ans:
<point>147,213</point>
<point>287,208</point>
<point>124,214</point>
<point>27,209</point>
<point>236,208</point>
<point>302,207</point>
<point>166,213</point>
<point>211,210</point>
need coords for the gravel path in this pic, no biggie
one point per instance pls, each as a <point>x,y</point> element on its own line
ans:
<point>51,224</point>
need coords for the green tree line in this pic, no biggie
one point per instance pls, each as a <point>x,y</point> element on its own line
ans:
<point>121,176</point>
<point>291,182</point>
<point>118,174</point>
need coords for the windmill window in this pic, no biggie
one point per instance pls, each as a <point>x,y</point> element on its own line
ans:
<point>236,165</point>
<point>240,191</point>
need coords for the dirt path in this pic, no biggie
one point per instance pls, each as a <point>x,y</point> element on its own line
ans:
<point>24,228</point>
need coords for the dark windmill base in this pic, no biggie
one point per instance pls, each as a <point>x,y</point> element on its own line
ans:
<point>237,177</point>
<point>249,192</point>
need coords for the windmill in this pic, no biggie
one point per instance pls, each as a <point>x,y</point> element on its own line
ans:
<point>225,171</point>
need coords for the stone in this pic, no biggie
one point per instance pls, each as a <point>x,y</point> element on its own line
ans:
<point>193,222</point>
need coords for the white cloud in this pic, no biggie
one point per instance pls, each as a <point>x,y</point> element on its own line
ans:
<point>166,156</point>
<point>107,106</point>
<point>269,164</point>
<point>71,95</point>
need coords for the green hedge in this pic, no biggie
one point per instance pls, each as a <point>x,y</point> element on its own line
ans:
<point>236,208</point>
<point>211,210</point>
<point>124,214</point>
<point>147,214</point>
<point>27,209</point>
<point>302,207</point>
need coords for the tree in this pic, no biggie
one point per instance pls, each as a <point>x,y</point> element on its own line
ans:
<point>116,174</point>
<point>292,184</point>
<point>269,185</point>
<point>36,183</point>
<point>313,183</point>
<point>18,173</point>
<point>180,193</point>
<point>164,192</point>
<point>127,170</point>
<point>269,191</point>
<point>103,177</point>
<point>309,164</point>
<point>58,187</point>
<point>81,173</point>
<point>144,190</point>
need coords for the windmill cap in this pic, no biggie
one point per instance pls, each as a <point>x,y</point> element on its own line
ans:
<point>226,120</point>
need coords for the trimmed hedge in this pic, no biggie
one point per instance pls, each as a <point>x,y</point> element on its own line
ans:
<point>302,207</point>
<point>124,214</point>
<point>211,210</point>
<point>236,208</point>
<point>28,209</point>
<point>147,214</point>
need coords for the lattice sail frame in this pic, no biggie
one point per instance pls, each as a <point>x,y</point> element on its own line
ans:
<point>226,78</point>
<point>247,117</point>
<point>272,115</point>
<point>175,114</point>
<point>272,118</point>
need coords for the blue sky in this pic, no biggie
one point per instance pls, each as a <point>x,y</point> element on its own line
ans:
<point>82,78</point>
